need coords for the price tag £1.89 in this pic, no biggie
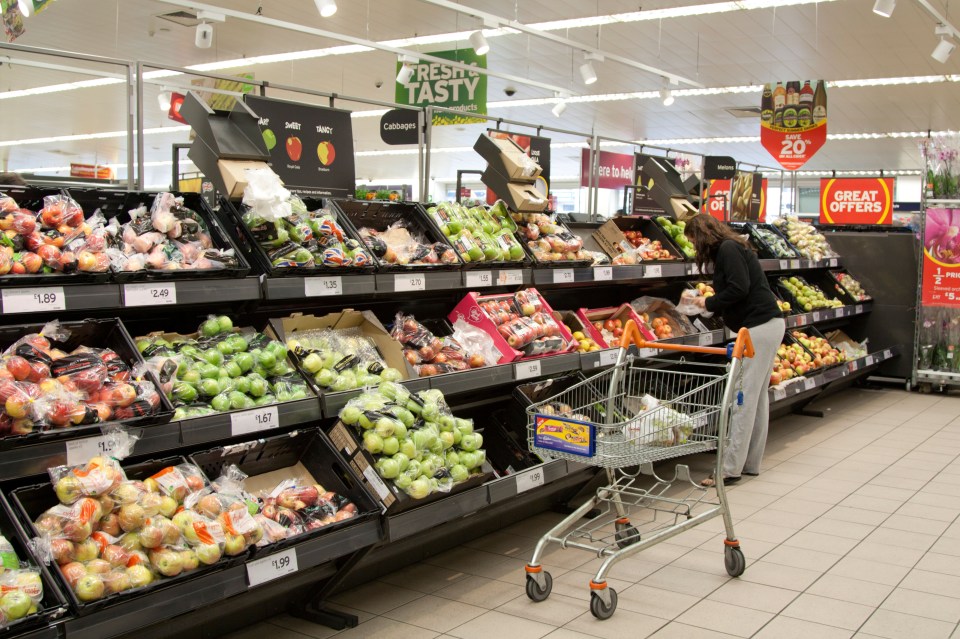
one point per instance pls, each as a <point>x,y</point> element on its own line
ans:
<point>271,567</point>
<point>149,294</point>
<point>252,421</point>
<point>80,451</point>
<point>34,300</point>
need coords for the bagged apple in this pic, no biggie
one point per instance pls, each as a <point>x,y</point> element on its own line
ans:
<point>177,482</point>
<point>21,591</point>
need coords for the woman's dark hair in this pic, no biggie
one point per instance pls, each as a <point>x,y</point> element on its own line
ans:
<point>707,234</point>
<point>12,179</point>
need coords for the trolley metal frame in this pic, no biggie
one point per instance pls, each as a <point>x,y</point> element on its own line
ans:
<point>693,416</point>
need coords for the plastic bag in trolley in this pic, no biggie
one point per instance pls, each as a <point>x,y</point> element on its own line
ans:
<point>657,424</point>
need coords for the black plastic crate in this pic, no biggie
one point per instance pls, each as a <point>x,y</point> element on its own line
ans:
<point>810,279</point>
<point>549,263</point>
<point>312,449</point>
<point>766,248</point>
<point>31,198</point>
<point>118,204</point>
<point>52,605</point>
<point>379,215</point>
<point>99,333</point>
<point>32,501</point>
<point>526,261</point>
<point>812,331</point>
<point>232,219</point>
<point>652,231</point>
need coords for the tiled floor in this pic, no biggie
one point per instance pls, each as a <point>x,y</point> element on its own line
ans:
<point>851,531</point>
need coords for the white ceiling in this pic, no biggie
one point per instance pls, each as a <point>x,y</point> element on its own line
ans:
<point>835,40</point>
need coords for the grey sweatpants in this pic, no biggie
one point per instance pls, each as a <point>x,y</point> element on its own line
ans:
<point>749,422</point>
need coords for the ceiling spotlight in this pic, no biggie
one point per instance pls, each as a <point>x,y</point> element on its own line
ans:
<point>667,96</point>
<point>884,7</point>
<point>326,7</point>
<point>944,48</point>
<point>405,73</point>
<point>588,73</point>
<point>479,43</point>
<point>204,37</point>
<point>559,108</point>
<point>163,99</point>
<point>26,7</point>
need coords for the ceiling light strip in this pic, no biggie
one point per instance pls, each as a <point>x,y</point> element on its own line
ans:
<point>104,135</point>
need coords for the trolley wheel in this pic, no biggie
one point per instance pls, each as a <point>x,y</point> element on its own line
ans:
<point>626,535</point>
<point>599,609</point>
<point>533,588</point>
<point>734,561</point>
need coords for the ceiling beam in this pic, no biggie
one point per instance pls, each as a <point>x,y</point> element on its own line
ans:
<point>501,22</point>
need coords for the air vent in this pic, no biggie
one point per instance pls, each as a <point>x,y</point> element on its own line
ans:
<point>182,18</point>
<point>744,112</point>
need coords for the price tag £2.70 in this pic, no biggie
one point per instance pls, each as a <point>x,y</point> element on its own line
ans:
<point>526,370</point>
<point>529,479</point>
<point>149,294</point>
<point>79,451</point>
<point>323,286</point>
<point>34,300</point>
<point>252,421</point>
<point>271,567</point>
<point>416,282</point>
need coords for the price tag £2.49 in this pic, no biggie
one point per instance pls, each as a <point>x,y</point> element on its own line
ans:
<point>271,567</point>
<point>149,294</point>
<point>252,421</point>
<point>34,300</point>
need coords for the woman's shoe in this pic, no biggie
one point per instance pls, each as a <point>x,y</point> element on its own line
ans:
<point>710,482</point>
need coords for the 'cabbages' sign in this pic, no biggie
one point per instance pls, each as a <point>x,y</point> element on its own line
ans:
<point>436,84</point>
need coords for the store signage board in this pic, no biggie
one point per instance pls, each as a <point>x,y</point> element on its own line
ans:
<point>643,202</point>
<point>615,170</point>
<point>537,149</point>
<point>793,121</point>
<point>940,284</point>
<point>311,147</point>
<point>719,167</point>
<point>436,84</point>
<point>856,201</point>
<point>400,126</point>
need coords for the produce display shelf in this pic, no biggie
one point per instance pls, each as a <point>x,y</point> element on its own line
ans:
<point>795,265</point>
<point>333,402</point>
<point>510,486</point>
<point>472,380</point>
<point>327,285</point>
<point>264,419</point>
<point>405,282</point>
<point>942,378</point>
<point>48,632</point>
<point>806,319</point>
<point>814,382</point>
<point>416,520</point>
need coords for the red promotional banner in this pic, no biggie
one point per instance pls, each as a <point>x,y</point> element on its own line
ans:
<point>793,121</point>
<point>718,193</point>
<point>94,171</point>
<point>856,201</point>
<point>941,258</point>
<point>615,172</point>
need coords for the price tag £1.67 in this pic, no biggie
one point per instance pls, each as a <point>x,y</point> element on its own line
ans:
<point>149,294</point>
<point>252,421</point>
<point>272,567</point>
<point>34,300</point>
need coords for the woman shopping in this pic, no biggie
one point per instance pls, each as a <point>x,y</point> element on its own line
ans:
<point>744,299</point>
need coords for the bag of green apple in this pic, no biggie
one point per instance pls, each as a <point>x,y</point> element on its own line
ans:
<point>99,475</point>
<point>20,594</point>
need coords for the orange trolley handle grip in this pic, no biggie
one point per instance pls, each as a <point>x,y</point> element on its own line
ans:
<point>743,347</point>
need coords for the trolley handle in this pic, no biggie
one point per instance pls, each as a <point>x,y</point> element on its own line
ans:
<point>743,347</point>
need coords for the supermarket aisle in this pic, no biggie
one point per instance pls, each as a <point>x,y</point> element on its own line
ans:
<point>852,530</point>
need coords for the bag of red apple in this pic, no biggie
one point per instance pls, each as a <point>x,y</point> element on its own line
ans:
<point>412,334</point>
<point>37,347</point>
<point>476,342</point>
<point>272,531</point>
<point>686,305</point>
<point>164,369</point>
<point>7,204</point>
<point>60,210</point>
<point>528,302</point>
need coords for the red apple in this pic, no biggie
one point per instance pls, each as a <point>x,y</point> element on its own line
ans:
<point>294,148</point>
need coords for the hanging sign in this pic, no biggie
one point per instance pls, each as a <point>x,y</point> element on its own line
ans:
<point>719,167</point>
<point>643,202</point>
<point>856,201</point>
<point>940,285</point>
<point>399,126</point>
<point>793,121</point>
<point>719,199</point>
<point>439,85</point>
<point>615,170</point>
<point>537,148</point>
<point>311,147</point>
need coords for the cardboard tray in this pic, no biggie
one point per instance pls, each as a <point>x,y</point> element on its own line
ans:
<point>611,239</point>
<point>31,198</point>
<point>231,217</point>
<point>99,333</point>
<point>31,501</point>
<point>379,215</point>
<point>117,204</point>
<point>53,604</point>
<point>623,312</point>
<point>306,453</point>
<point>518,196</point>
<point>506,158</point>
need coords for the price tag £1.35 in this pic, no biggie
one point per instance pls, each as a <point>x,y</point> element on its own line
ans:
<point>34,300</point>
<point>149,294</point>
<point>252,421</point>
<point>271,567</point>
<point>323,286</point>
<point>79,451</point>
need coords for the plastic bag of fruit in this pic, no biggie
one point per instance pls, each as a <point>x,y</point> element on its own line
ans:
<point>476,342</point>
<point>178,482</point>
<point>265,197</point>
<point>660,308</point>
<point>100,475</point>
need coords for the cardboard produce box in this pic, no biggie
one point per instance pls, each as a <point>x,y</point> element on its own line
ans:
<point>519,196</point>
<point>507,158</point>
<point>614,242</point>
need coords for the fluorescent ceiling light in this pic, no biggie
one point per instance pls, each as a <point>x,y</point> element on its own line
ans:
<point>667,96</point>
<point>884,7</point>
<point>326,7</point>
<point>588,73</point>
<point>104,135</point>
<point>479,43</point>
<point>830,136</point>
<point>943,50</point>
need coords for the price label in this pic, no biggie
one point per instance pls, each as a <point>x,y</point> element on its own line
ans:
<point>784,265</point>
<point>79,451</point>
<point>653,271</point>
<point>271,567</point>
<point>252,421</point>
<point>852,367</point>
<point>323,286</point>
<point>648,352</point>
<point>694,269</point>
<point>526,370</point>
<point>794,264</point>
<point>887,354</point>
<point>563,276</point>
<point>778,394</point>
<point>603,273</point>
<point>809,383</point>
<point>706,339</point>
<point>869,360</point>
<point>149,294</point>
<point>833,261</point>
<point>479,279</point>
<point>34,300</point>
<point>510,278</point>
<point>816,316</point>
<point>416,282</point>
<point>609,357</point>
<point>529,479</point>
<point>859,308</point>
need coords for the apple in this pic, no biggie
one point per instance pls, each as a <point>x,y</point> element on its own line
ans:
<point>209,505</point>
<point>168,506</point>
<point>86,550</point>
<point>234,545</point>
<point>72,572</point>
<point>151,535</point>
<point>208,554</point>
<point>131,541</point>
<point>168,562</point>
<point>15,605</point>
<point>171,534</point>
<point>139,575</point>
<point>150,502</point>
<point>326,153</point>
<point>77,531</point>
<point>68,489</point>
<point>189,559</point>
<point>89,588</point>
<point>132,517</point>
<point>294,148</point>
<point>125,494</point>
<point>150,485</point>
<point>98,567</point>
<point>63,551</point>
<point>116,581</point>
<point>116,555</point>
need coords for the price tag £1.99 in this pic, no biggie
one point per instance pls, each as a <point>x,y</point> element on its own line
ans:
<point>529,479</point>
<point>252,421</point>
<point>272,567</point>
<point>79,451</point>
<point>149,294</point>
<point>34,300</point>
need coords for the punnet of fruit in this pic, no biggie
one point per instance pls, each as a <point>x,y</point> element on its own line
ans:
<point>340,359</point>
<point>479,235</point>
<point>415,440</point>
<point>675,230</point>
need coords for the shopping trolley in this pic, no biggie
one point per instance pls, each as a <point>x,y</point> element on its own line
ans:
<point>631,416</point>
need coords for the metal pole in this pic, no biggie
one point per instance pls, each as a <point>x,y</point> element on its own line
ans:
<point>140,127</point>
<point>421,129</point>
<point>593,184</point>
<point>428,134</point>
<point>131,157</point>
